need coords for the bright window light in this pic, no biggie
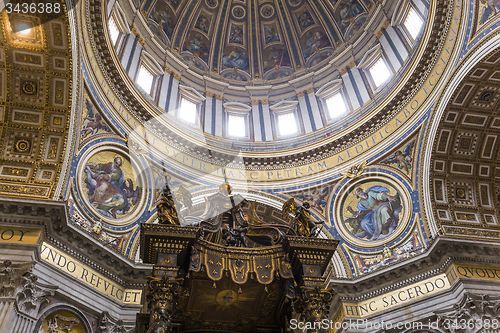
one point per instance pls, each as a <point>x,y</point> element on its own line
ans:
<point>379,72</point>
<point>287,124</point>
<point>113,31</point>
<point>335,105</point>
<point>413,23</point>
<point>23,28</point>
<point>188,111</point>
<point>145,79</point>
<point>236,126</point>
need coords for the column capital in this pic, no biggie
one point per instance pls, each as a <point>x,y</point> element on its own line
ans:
<point>168,70</point>
<point>177,76</point>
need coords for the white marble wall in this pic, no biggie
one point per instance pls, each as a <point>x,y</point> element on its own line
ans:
<point>164,87</point>
<point>304,113</point>
<point>267,122</point>
<point>257,131</point>
<point>174,97</point>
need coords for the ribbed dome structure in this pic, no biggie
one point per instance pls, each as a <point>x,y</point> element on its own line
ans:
<point>243,41</point>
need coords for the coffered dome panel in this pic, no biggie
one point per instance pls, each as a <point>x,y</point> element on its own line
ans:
<point>464,167</point>
<point>36,88</point>
<point>255,37</point>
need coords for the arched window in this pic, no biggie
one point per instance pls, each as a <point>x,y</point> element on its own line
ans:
<point>379,71</point>
<point>376,68</point>
<point>114,33</point>
<point>237,120</point>
<point>334,100</point>
<point>117,27</point>
<point>189,106</point>
<point>287,123</point>
<point>145,79</point>
<point>148,74</point>
<point>412,23</point>
<point>236,126</point>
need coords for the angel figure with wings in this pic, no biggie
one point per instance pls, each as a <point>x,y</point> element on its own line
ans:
<point>317,197</point>
<point>93,122</point>
<point>303,222</point>
<point>402,158</point>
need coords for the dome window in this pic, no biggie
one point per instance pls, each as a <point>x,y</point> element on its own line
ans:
<point>287,124</point>
<point>145,79</point>
<point>188,111</point>
<point>114,33</point>
<point>413,23</point>
<point>334,102</point>
<point>335,105</point>
<point>189,106</point>
<point>236,126</point>
<point>375,68</point>
<point>379,72</point>
<point>118,29</point>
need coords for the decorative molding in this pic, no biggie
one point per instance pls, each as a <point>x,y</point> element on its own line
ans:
<point>108,324</point>
<point>191,94</point>
<point>370,56</point>
<point>51,216</point>
<point>284,105</point>
<point>177,76</point>
<point>329,88</point>
<point>472,308</point>
<point>17,281</point>
<point>237,107</point>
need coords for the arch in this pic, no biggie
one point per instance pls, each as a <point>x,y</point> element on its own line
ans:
<point>59,307</point>
<point>453,84</point>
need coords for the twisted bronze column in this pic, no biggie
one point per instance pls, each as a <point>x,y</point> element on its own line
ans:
<point>162,295</point>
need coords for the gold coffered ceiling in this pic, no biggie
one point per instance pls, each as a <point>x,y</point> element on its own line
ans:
<point>35,95</point>
<point>465,166</point>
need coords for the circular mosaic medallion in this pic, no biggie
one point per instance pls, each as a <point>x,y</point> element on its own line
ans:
<point>267,11</point>
<point>372,211</point>
<point>212,3</point>
<point>239,12</point>
<point>111,185</point>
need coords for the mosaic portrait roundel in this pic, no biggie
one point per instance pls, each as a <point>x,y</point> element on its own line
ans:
<point>372,211</point>
<point>110,185</point>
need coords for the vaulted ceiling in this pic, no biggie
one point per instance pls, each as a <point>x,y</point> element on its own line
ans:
<point>35,103</point>
<point>465,168</point>
<point>265,39</point>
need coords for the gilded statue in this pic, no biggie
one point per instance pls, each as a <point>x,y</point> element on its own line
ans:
<point>171,202</point>
<point>303,224</point>
<point>167,214</point>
